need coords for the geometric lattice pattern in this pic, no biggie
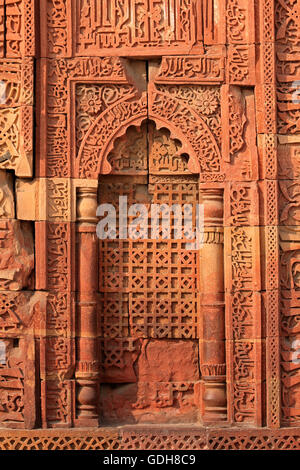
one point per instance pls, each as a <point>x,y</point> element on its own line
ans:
<point>148,287</point>
<point>169,439</point>
<point>149,277</point>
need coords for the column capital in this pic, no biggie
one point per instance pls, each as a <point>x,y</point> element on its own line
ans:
<point>86,206</point>
<point>212,200</point>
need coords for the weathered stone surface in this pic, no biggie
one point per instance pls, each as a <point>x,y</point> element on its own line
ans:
<point>150,402</point>
<point>16,143</point>
<point>16,255</point>
<point>7,203</point>
<point>19,313</point>
<point>168,361</point>
<point>17,378</point>
<point>118,359</point>
<point>166,391</point>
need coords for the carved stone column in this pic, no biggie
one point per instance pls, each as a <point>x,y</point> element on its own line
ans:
<point>212,351</point>
<point>87,365</point>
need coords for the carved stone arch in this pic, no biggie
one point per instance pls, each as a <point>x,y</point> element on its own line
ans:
<point>188,126</point>
<point>100,137</point>
<point>183,123</point>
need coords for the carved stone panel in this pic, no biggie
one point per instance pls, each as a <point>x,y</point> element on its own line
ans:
<point>189,105</point>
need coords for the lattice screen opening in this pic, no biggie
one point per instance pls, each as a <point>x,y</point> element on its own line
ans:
<point>148,301</point>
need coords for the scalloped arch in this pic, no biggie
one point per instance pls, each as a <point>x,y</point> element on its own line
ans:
<point>182,122</point>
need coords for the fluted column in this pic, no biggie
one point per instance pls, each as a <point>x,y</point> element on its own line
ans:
<point>87,364</point>
<point>212,347</point>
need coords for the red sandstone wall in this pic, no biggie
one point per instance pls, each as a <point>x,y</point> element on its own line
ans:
<point>122,91</point>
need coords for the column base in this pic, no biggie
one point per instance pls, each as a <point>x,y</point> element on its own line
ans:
<point>86,422</point>
<point>214,400</point>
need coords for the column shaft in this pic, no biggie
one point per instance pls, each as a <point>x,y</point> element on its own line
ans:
<point>87,365</point>
<point>212,350</point>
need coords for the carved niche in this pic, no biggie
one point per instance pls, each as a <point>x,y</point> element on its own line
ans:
<point>112,138</point>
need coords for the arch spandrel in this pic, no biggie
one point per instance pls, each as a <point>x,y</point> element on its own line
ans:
<point>181,120</point>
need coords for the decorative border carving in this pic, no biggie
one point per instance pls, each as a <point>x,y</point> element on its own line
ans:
<point>204,69</point>
<point>267,125</point>
<point>125,438</point>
